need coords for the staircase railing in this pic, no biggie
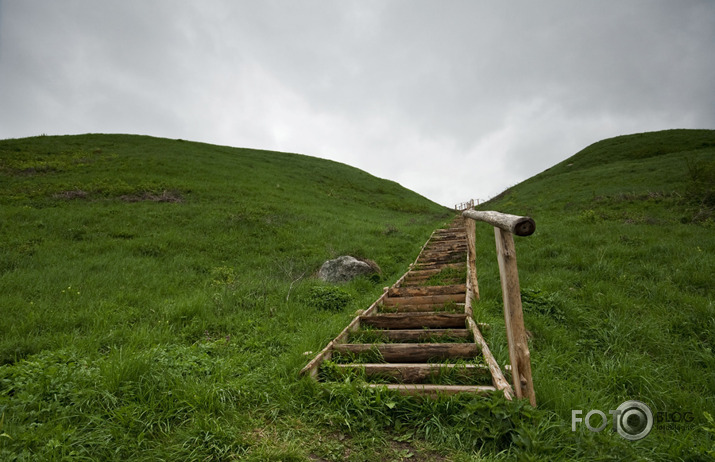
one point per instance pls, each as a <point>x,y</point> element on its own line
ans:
<point>505,226</point>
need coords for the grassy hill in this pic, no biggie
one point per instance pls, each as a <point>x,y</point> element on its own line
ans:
<point>617,286</point>
<point>156,298</point>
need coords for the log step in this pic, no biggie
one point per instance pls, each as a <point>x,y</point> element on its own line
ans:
<point>427,290</point>
<point>412,352</point>
<point>449,232</point>
<point>415,320</point>
<point>416,282</point>
<point>446,246</point>
<point>424,300</point>
<point>443,260</point>
<point>432,264</point>
<point>422,308</point>
<point>412,281</point>
<point>415,335</point>
<point>429,253</point>
<point>454,237</point>
<point>416,373</point>
<point>421,272</point>
<point>434,390</point>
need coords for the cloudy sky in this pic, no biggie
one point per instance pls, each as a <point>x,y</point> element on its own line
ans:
<point>453,99</point>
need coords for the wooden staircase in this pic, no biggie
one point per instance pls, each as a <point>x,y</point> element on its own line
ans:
<point>419,337</point>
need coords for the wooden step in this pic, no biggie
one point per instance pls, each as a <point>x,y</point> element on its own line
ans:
<point>426,254</point>
<point>456,242</point>
<point>442,254</point>
<point>449,231</point>
<point>424,300</point>
<point>426,290</point>
<point>419,280</point>
<point>448,237</point>
<point>446,246</point>
<point>412,352</point>
<point>415,320</point>
<point>447,240</point>
<point>414,335</point>
<point>438,266</point>
<point>434,390</point>
<point>447,259</point>
<point>422,308</point>
<point>423,272</point>
<point>416,372</point>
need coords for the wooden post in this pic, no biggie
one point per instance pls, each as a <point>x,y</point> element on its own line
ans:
<point>472,257</point>
<point>514,316</point>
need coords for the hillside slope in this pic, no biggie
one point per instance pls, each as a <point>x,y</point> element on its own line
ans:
<point>617,287</point>
<point>134,223</point>
<point>169,277</point>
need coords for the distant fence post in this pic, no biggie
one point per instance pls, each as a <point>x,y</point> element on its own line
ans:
<point>466,205</point>
<point>505,226</point>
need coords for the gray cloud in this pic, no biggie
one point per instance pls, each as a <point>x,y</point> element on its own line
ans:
<point>454,99</point>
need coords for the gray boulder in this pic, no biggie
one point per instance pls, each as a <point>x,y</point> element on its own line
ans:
<point>344,269</point>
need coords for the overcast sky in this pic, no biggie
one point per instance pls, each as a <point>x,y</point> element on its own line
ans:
<point>452,99</point>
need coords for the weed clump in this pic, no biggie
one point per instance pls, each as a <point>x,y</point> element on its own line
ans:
<point>329,298</point>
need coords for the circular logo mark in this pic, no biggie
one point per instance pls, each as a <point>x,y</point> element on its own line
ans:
<point>634,420</point>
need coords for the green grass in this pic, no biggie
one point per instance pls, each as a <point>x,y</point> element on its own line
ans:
<point>157,297</point>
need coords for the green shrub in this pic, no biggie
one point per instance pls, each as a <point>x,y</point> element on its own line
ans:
<point>329,298</point>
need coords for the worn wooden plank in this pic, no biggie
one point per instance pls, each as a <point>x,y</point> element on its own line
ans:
<point>433,390</point>
<point>428,253</point>
<point>412,352</point>
<point>411,335</point>
<point>415,320</point>
<point>424,300</point>
<point>427,290</point>
<point>455,244</point>
<point>423,272</point>
<point>444,260</point>
<point>438,267</point>
<point>519,355</point>
<point>423,308</point>
<point>416,372</point>
<point>454,237</point>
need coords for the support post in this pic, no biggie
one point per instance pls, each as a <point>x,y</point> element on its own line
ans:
<point>472,257</point>
<point>514,317</point>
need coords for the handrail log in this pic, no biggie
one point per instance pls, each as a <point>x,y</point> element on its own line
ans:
<point>521,226</point>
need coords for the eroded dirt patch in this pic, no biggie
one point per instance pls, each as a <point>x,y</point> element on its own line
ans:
<point>71,194</point>
<point>164,196</point>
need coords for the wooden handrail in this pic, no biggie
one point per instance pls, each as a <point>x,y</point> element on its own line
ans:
<point>521,226</point>
<point>505,226</point>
